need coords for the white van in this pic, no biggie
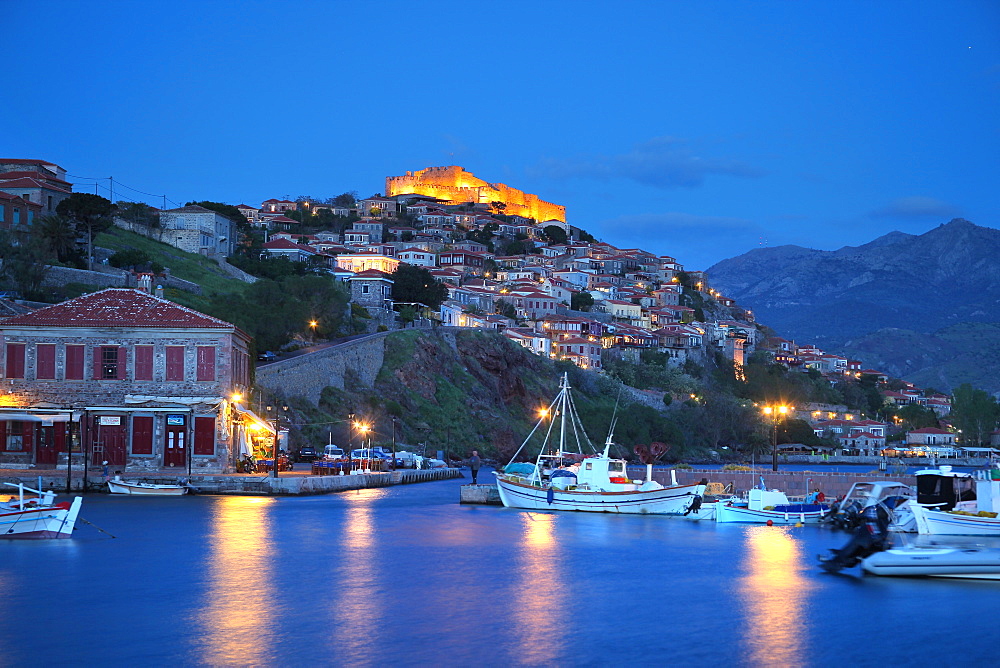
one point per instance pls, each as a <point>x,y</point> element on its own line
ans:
<point>333,452</point>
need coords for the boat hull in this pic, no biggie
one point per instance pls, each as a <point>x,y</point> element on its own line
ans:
<point>145,490</point>
<point>948,562</point>
<point>665,501</point>
<point>941,523</point>
<point>732,514</point>
<point>55,521</point>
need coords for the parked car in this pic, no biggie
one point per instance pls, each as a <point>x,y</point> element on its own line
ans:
<point>333,452</point>
<point>307,453</point>
<point>267,356</point>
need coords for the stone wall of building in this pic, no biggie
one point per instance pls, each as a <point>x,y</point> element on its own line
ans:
<point>307,375</point>
<point>455,184</point>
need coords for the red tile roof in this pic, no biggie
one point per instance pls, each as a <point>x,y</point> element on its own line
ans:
<point>118,307</point>
<point>29,182</point>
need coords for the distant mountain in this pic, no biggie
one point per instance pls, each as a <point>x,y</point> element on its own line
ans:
<point>947,276</point>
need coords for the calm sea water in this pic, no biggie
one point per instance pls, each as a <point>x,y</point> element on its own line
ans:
<point>407,575</point>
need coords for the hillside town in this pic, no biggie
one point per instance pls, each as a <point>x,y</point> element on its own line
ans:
<point>544,284</point>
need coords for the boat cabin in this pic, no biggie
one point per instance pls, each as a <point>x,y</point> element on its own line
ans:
<point>944,489</point>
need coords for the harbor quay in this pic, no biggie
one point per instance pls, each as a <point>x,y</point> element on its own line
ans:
<point>288,483</point>
<point>794,483</point>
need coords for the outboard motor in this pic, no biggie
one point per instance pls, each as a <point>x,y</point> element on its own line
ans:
<point>870,537</point>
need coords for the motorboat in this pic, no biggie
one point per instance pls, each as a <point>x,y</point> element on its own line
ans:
<point>894,496</point>
<point>951,502</point>
<point>763,505</point>
<point>976,562</point>
<point>118,486</point>
<point>39,516</point>
<point>563,477</point>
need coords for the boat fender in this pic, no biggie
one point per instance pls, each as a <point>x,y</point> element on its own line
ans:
<point>770,523</point>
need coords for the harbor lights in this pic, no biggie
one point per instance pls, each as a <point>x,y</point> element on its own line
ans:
<point>777,413</point>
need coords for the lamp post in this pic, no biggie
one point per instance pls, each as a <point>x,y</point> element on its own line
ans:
<point>776,413</point>
<point>393,443</point>
<point>274,448</point>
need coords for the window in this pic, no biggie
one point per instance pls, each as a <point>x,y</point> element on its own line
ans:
<point>364,289</point>
<point>175,362</point>
<point>74,362</point>
<point>15,360</point>
<point>144,362</point>
<point>16,436</point>
<point>109,363</point>
<point>206,363</point>
<point>204,436</point>
<point>45,363</point>
<point>142,435</point>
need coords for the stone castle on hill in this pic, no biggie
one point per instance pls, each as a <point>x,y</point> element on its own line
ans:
<point>456,185</point>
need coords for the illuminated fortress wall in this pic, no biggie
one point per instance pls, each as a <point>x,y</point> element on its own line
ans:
<point>455,184</point>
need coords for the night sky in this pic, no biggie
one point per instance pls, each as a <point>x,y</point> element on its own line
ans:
<point>696,129</point>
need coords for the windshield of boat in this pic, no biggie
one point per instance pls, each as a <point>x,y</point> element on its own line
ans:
<point>616,467</point>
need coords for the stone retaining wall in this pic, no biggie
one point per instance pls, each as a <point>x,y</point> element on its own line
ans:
<point>307,375</point>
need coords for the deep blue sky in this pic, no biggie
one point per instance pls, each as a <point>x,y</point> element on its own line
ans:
<point>697,129</point>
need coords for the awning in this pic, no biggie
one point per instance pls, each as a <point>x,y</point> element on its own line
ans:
<point>252,420</point>
<point>38,416</point>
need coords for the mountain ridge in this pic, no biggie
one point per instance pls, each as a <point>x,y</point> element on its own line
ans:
<point>923,284</point>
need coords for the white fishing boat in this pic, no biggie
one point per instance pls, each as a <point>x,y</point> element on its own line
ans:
<point>118,486</point>
<point>955,503</point>
<point>564,478</point>
<point>37,517</point>
<point>763,506</point>
<point>975,562</point>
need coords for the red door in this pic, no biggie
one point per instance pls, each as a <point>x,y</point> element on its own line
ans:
<point>108,439</point>
<point>48,443</point>
<point>175,446</point>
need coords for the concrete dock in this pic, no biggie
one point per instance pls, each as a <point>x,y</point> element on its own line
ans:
<point>288,483</point>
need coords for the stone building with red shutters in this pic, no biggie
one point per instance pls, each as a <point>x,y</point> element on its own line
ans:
<point>125,377</point>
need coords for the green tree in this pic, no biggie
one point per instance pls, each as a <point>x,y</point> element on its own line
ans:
<point>914,416</point>
<point>59,235</point>
<point>24,263</point>
<point>581,301</point>
<point>554,234</point>
<point>417,285</point>
<point>346,200</point>
<point>138,213</point>
<point>130,259</point>
<point>407,314</point>
<point>975,413</point>
<point>90,214</point>
<point>505,308</point>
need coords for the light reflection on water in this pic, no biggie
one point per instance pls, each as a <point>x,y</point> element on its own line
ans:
<point>357,616</point>
<point>775,593</point>
<point>236,620</point>
<point>539,599</point>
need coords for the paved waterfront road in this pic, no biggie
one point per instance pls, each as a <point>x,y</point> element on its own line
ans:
<point>407,576</point>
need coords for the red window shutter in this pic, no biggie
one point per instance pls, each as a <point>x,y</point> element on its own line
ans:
<point>122,362</point>
<point>15,360</point>
<point>206,363</point>
<point>97,362</point>
<point>74,362</point>
<point>144,362</point>
<point>3,434</point>
<point>204,436</point>
<point>27,436</point>
<point>175,363</point>
<point>142,435</point>
<point>45,363</point>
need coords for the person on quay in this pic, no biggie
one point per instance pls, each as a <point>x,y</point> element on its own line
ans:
<point>475,462</point>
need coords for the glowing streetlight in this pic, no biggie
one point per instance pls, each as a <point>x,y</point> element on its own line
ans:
<point>236,396</point>
<point>776,413</point>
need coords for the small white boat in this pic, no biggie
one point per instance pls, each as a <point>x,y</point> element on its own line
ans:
<point>772,505</point>
<point>955,503</point>
<point>118,486</point>
<point>39,516</point>
<point>896,497</point>
<point>976,562</point>
<point>563,479</point>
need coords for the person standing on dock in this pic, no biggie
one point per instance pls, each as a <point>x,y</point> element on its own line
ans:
<point>474,463</point>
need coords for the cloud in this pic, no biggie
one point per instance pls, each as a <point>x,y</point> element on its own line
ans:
<point>916,207</point>
<point>661,162</point>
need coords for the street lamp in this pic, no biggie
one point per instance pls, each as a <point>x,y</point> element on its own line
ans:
<point>274,448</point>
<point>776,412</point>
